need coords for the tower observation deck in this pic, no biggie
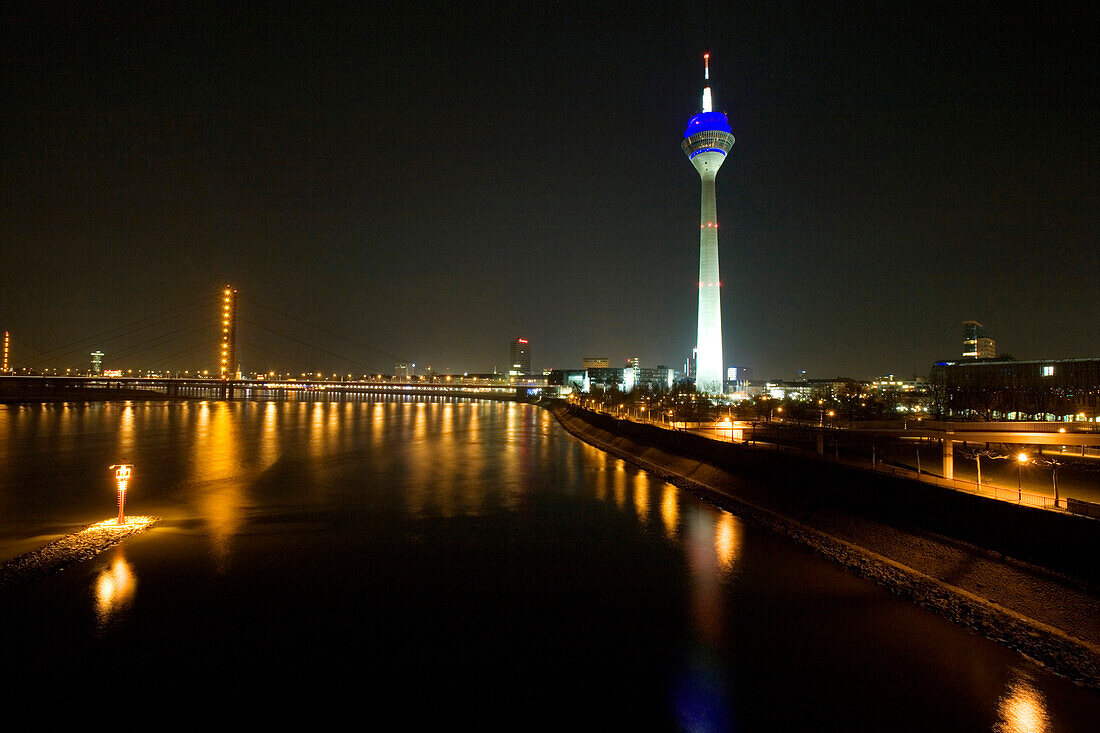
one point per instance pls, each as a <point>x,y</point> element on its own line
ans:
<point>707,139</point>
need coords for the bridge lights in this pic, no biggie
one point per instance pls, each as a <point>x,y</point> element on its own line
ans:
<point>229,333</point>
<point>122,476</point>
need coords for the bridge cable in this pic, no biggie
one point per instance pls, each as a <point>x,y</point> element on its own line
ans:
<point>369,367</point>
<point>324,329</point>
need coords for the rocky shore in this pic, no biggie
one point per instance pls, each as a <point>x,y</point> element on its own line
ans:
<point>72,548</point>
<point>1051,617</point>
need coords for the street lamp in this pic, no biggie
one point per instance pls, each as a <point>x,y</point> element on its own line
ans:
<point>122,476</point>
<point>1021,459</point>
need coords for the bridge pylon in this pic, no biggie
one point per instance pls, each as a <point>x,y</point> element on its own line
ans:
<point>228,365</point>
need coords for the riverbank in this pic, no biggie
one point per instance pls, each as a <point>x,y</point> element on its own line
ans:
<point>1008,587</point>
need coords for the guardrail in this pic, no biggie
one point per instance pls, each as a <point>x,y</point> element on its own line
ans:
<point>1034,426</point>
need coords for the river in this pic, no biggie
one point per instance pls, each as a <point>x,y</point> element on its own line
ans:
<point>432,561</point>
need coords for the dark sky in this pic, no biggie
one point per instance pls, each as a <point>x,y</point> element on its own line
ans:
<point>428,182</point>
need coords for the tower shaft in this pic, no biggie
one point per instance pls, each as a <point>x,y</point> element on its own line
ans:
<point>709,362</point>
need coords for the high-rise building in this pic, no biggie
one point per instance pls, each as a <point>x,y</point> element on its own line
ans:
<point>97,363</point>
<point>707,139</point>
<point>976,345</point>
<point>521,358</point>
<point>737,378</point>
<point>972,331</point>
<point>595,362</point>
<point>7,351</point>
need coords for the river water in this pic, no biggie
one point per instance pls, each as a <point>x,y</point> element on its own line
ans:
<point>427,562</point>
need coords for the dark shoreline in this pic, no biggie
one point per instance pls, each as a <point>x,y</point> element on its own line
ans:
<point>903,559</point>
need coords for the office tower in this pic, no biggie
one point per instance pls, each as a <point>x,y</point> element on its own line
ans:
<point>707,139</point>
<point>521,358</point>
<point>97,363</point>
<point>976,345</point>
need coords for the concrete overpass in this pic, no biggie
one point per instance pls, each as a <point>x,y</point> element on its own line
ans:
<point>950,437</point>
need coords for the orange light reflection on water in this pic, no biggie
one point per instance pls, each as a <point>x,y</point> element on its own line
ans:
<point>220,494</point>
<point>126,432</point>
<point>670,511</point>
<point>641,497</point>
<point>114,589</point>
<point>1022,709</point>
<point>618,487</point>
<point>727,541</point>
<point>269,440</point>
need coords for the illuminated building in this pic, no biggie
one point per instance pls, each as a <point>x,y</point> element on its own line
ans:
<point>228,366</point>
<point>595,362</point>
<point>97,363</point>
<point>976,345</point>
<point>660,379</point>
<point>520,358</point>
<point>7,349</point>
<point>689,364</point>
<point>808,389</point>
<point>603,378</point>
<point>1042,389</point>
<point>707,139</point>
<point>632,372</point>
<point>403,370</point>
<point>738,378</point>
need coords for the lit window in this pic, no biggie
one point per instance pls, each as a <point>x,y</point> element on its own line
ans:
<point>1048,370</point>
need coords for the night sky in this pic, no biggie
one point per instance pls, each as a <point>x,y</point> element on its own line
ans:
<point>428,182</point>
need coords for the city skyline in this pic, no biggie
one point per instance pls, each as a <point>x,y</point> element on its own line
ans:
<point>900,180</point>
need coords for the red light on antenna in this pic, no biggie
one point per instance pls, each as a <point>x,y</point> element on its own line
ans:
<point>706,55</point>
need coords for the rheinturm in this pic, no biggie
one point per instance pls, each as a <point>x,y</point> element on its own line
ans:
<point>707,139</point>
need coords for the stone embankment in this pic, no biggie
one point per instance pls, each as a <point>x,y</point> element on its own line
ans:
<point>983,564</point>
<point>70,549</point>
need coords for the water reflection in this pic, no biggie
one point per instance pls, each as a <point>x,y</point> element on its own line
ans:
<point>727,541</point>
<point>126,432</point>
<point>269,438</point>
<point>1022,708</point>
<point>619,485</point>
<point>220,495</point>
<point>114,589</point>
<point>670,511</point>
<point>641,496</point>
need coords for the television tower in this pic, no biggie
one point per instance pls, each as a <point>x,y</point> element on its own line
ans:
<point>707,139</point>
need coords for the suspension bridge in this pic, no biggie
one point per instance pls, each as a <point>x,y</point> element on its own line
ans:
<point>195,350</point>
